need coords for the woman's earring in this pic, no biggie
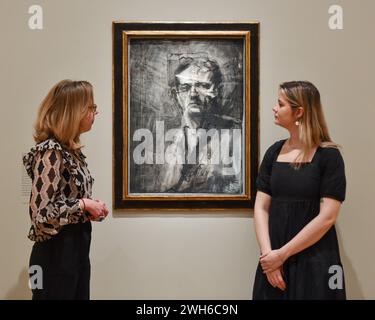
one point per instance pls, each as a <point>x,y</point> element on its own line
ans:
<point>297,123</point>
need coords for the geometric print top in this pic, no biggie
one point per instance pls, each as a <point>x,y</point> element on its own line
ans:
<point>59,179</point>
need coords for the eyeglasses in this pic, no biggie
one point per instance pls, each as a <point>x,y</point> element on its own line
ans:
<point>200,87</point>
<point>93,108</point>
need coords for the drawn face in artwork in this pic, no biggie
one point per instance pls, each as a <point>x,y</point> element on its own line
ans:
<point>195,91</point>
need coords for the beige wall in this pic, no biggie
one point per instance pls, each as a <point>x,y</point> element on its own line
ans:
<point>190,255</point>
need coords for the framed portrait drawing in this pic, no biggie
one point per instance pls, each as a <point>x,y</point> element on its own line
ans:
<point>185,115</point>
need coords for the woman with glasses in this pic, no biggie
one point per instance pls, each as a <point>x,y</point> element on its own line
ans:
<point>61,205</point>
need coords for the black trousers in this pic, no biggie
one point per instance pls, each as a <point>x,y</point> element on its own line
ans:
<point>65,264</point>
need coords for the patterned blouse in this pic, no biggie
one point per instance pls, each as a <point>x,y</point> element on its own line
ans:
<point>59,180</point>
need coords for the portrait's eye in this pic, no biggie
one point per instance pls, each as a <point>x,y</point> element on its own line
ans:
<point>184,87</point>
<point>204,85</point>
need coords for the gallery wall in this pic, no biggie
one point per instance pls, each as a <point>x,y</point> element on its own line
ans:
<point>185,255</point>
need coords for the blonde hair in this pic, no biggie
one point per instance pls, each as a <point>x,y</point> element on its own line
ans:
<point>61,112</point>
<point>313,130</point>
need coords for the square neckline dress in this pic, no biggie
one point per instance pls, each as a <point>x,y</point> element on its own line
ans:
<point>295,202</point>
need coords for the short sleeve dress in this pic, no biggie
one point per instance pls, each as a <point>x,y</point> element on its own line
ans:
<point>316,272</point>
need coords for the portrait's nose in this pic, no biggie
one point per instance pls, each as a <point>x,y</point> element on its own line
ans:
<point>193,91</point>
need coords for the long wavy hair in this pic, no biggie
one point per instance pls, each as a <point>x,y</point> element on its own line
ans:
<point>313,130</point>
<point>61,112</point>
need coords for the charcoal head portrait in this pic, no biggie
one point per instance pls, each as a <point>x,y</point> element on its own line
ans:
<point>194,158</point>
<point>197,89</point>
<point>186,111</point>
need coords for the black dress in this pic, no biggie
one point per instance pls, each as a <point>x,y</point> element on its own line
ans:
<point>316,272</point>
